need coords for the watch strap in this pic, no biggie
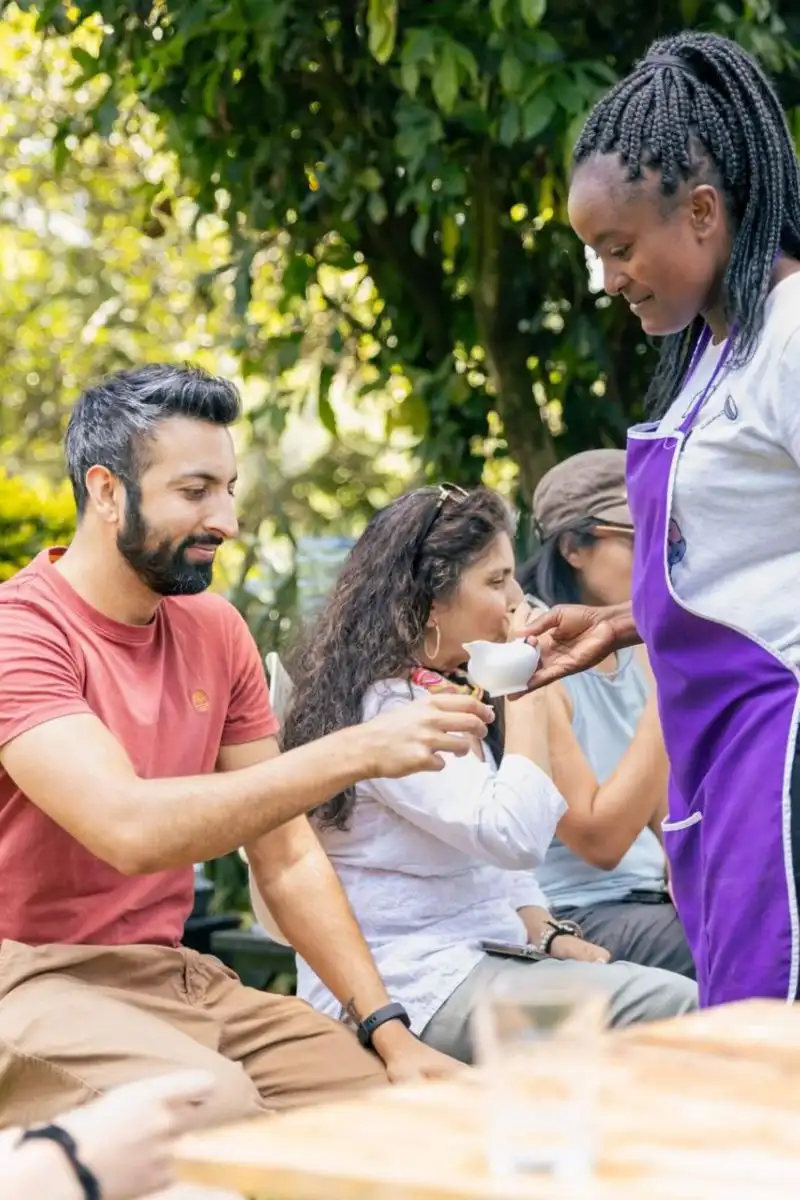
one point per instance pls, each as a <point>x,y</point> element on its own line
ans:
<point>54,1133</point>
<point>554,929</point>
<point>389,1012</point>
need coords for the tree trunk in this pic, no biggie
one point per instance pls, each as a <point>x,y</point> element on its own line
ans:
<point>505,346</point>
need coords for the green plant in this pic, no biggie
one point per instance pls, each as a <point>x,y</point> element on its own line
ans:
<point>32,517</point>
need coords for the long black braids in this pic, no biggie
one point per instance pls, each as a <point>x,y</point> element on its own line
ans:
<point>699,108</point>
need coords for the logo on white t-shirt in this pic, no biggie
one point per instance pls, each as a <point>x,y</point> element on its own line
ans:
<point>730,409</point>
<point>676,545</point>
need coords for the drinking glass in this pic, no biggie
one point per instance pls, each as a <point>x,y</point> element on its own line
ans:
<point>540,1047</point>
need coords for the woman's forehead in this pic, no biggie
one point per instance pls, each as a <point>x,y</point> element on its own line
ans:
<point>604,202</point>
<point>499,553</point>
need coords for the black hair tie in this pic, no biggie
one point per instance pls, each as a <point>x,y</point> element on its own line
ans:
<point>671,60</point>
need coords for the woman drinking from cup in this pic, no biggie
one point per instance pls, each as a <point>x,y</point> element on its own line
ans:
<point>436,866</point>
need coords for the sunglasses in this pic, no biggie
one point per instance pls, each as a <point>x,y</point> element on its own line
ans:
<point>443,492</point>
<point>586,525</point>
<point>610,530</point>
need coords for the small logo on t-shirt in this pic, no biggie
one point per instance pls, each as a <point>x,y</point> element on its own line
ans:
<point>676,545</point>
<point>730,408</point>
<point>200,700</point>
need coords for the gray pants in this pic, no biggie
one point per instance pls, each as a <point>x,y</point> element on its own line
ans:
<point>635,994</point>
<point>636,932</point>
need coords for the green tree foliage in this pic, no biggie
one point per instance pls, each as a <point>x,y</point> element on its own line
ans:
<point>31,517</point>
<point>110,262</point>
<point>405,163</point>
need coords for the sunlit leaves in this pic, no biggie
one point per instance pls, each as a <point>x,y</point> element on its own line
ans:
<point>382,23</point>
<point>532,11</point>
<point>32,515</point>
<point>392,142</point>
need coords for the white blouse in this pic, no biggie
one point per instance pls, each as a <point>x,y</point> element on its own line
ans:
<point>434,862</point>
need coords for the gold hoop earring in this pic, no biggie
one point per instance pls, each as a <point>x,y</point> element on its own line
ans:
<point>433,655</point>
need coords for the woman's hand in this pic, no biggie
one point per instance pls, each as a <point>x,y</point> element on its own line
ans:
<point>521,618</point>
<point>573,637</point>
<point>408,1060</point>
<point>566,947</point>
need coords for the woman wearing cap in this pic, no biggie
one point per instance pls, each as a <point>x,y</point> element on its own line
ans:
<point>686,187</point>
<point>607,870</point>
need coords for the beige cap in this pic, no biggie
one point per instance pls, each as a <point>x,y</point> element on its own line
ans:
<point>588,485</point>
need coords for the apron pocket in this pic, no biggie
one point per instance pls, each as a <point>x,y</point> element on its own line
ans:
<point>674,826</point>
<point>683,844</point>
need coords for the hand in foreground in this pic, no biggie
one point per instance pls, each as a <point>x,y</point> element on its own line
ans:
<point>126,1139</point>
<point>566,947</point>
<point>414,737</point>
<point>571,638</point>
<point>408,1060</point>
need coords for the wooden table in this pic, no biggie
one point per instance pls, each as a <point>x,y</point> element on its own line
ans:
<point>759,1029</point>
<point>682,1118</point>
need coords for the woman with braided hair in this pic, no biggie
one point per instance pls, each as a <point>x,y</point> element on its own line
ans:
<point>686,188</point>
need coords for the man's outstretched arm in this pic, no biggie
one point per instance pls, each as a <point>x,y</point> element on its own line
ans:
<point>305,897</point>
<point>76,771</point>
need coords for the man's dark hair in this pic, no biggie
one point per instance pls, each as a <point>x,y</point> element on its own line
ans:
<point>698,108</point>
<point>114,420</point>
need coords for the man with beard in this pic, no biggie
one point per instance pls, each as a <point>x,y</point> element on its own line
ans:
<point>136,738</point>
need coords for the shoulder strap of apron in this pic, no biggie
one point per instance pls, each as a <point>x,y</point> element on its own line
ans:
<point>699,351</point>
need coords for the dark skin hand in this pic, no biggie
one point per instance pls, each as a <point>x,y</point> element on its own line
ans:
<point>573,637</point>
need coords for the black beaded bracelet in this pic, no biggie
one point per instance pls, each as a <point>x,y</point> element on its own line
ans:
<point>54,1133</point>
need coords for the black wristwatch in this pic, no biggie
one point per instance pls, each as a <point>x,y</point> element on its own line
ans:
<point>554,929</point>
<point>389,1012</point>
<point>54,1133</point>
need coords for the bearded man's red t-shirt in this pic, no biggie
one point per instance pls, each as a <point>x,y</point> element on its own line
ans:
<point>172,692</point>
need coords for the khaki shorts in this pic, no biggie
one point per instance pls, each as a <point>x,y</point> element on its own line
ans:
<point>78,1020</point>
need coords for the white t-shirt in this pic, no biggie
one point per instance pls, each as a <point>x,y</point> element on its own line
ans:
<point>735,532</point>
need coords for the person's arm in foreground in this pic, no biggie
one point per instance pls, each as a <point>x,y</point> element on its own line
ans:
<point>126,1139</point>
<point>66,761</point>
<point>603,820</point>
<point>574,637</point>
<point>305,898</point>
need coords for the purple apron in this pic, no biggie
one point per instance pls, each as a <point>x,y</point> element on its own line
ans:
<point>729,710</point>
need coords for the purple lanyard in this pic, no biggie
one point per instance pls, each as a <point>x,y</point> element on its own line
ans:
<point>699,351</point>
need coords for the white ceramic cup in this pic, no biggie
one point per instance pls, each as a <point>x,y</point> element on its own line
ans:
<point>501,668</point>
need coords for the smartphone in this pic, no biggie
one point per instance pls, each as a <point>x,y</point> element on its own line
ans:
<point>511,950</point>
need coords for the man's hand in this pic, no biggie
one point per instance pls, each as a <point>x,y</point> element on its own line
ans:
<point>568,947</point>
<point>574,637</point>
<point>413,738</point>
<point>409,1060</point>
